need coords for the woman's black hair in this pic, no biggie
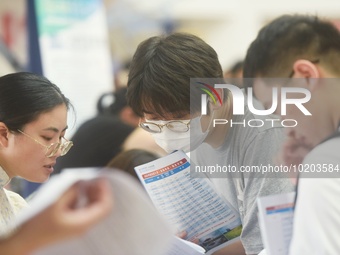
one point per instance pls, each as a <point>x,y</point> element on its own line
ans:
<point>24,96</point>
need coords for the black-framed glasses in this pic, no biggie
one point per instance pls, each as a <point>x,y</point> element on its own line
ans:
<point>177,126</point>
<point>52,149</point>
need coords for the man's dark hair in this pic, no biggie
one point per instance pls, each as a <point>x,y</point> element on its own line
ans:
<point>289,38</point>
<point>236,68</point>
<point>160,72</point>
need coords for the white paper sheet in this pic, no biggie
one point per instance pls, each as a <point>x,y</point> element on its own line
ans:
<point>276,222</point>
<point>134,227</point>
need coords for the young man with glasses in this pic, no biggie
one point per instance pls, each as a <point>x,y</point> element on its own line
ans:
<point>159,91</point>
<point>308,49</point>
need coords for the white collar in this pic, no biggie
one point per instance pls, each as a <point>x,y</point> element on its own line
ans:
<point>4,178</point>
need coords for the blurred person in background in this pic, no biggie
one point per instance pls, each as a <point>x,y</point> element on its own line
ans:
<point>99,139</point>
<point>234,74</point>
<point>129,159</point>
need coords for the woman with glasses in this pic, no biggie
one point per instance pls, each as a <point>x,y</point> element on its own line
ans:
<point>33,122</point>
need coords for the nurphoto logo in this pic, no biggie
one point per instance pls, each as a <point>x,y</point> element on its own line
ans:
<point>239,98</point>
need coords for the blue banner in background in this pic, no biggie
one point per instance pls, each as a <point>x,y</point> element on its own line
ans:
<point>69,45</point>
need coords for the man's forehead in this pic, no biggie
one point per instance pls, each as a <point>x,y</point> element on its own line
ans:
<point>166,116</point>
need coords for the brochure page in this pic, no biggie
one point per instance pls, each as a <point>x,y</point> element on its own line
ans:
<point>190,204</point>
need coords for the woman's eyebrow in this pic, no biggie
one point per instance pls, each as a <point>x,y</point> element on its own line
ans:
<point>54,129</point>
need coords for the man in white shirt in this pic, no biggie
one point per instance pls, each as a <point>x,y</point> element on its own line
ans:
<point>306,51</point>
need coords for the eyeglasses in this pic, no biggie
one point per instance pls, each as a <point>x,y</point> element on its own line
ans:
<point>177,126</point>
<point>53,148</point>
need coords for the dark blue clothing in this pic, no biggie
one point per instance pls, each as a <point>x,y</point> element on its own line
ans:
<point>96,142</point>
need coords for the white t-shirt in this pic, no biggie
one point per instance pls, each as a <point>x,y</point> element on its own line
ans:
<point>10,203</point>
<point>317,215</point>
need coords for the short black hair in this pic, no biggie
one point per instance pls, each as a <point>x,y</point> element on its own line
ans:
<point>288,38</point>
<point>160,72</point>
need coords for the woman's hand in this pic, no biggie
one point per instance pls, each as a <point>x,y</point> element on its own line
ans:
<point>65,218</point>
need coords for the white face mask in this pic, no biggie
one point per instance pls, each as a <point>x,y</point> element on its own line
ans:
<point>187,141</point>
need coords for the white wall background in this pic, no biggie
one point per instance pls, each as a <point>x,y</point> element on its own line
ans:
<point>228,26</point>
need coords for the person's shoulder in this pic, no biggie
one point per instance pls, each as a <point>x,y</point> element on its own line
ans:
<point>250,125</point>
<point>17,201</point>
<point>261,134</point>
<point>263,123</point>
<point>325,152</point>
<point>259,127</point>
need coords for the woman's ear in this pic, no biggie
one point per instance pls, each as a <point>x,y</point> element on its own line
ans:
<point>3,135</point>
